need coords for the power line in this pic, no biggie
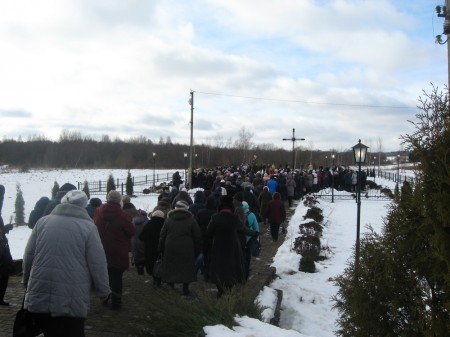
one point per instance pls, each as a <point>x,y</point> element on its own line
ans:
<point>307,102</point>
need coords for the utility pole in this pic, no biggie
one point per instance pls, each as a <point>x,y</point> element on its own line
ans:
<point>444,12</point>
<point>293,139</point>
<point>191,147</point>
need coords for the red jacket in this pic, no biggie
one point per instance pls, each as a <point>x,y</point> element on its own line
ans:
<point>116,230</point>
<point>275,212</point>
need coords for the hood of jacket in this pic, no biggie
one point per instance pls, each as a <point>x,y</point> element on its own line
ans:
<point>75,211</point>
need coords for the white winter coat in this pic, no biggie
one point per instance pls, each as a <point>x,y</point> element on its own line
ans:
<point>63,258</point>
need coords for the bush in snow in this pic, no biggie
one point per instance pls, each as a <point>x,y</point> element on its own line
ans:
<point>129,185</point>
<point>55,189</point>
<point>19,207</point>
<point>110,184</point>
<point>307,264</point>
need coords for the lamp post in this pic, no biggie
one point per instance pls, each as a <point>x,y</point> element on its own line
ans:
<point>359,153</point>
<point>374,174</point>
<point>326,161</point>
<point>398,168</point>
<point>185,157</point>
<point>154,168</point>
<point>332,179</point>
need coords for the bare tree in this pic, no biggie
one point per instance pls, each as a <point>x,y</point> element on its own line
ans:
<point>244,143</point>
<point>379,149</point>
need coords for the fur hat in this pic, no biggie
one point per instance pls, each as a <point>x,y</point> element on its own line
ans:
<point>75,197</point>
<point>182,204</point>
<point>114,196</point>
<point>158,214</point>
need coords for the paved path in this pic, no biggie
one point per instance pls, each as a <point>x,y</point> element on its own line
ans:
<point>138,290</point>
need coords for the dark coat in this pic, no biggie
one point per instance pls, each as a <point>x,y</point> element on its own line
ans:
<point>150,237</point>
<point>180,241</point>
<point>203,218</point>
<point>264,197</point>
<point>137,245</point>
<point>199,202</point>
<point>227,263</point>
<point>251,199</point>
<point>182,196</point>
<point>116,230</point>
<point>54,202</point>
<point>276,213</point>
<point>91,207</point>
<point>163,205</point>
<point>6,261</point>
<point>38,211</point>
<point>290,185</point>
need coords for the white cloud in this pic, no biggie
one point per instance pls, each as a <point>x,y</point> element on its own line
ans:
<point>110,65</point>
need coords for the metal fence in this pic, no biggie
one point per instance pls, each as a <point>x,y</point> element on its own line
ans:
<point>368,194</point>
<point>153,183</point>
<point>393,176</point>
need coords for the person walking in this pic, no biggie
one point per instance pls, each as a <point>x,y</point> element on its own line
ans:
<point>252,224</point>
<point>137,246</point>
<point>227,261</point>
<point>264,197</point>
<point>150,237</point>
<point>116,230</point>
<point>203,218</point>
<point>63,260</point>
<point>5,253</point>
<point>180,243</point>
<point>272,184</point>
<point>276,214</point>
<point>290,187</point>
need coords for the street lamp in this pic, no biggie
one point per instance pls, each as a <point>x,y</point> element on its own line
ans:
<point>326,161</point>
<point>398,168</point>
<point>185,157</point>
<point>374,174</point>
<point>359,153</point>
<point>332,179</point>
<point>154,168</point>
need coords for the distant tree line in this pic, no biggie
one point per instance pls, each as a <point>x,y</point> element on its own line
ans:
<point>73,150</point>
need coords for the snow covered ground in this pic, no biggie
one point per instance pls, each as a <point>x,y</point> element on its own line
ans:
<point>306,307</point>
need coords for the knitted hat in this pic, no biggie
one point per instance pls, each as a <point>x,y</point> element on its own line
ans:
<point>182,204</point>
<point>75,197</point>
<point>245,206</point>
<point>158,214</point>
<point>114,196</point>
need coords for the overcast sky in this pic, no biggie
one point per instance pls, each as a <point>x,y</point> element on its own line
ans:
<point>335,70</point>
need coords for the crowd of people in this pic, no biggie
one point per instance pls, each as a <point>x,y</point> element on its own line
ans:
<point>77,244</point>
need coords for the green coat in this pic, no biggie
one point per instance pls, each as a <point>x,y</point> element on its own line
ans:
<point>180,241</point>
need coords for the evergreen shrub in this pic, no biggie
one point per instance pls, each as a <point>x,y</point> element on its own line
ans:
<point>307,264</point>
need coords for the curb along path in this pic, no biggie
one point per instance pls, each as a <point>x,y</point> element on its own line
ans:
<point>138,290</point>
